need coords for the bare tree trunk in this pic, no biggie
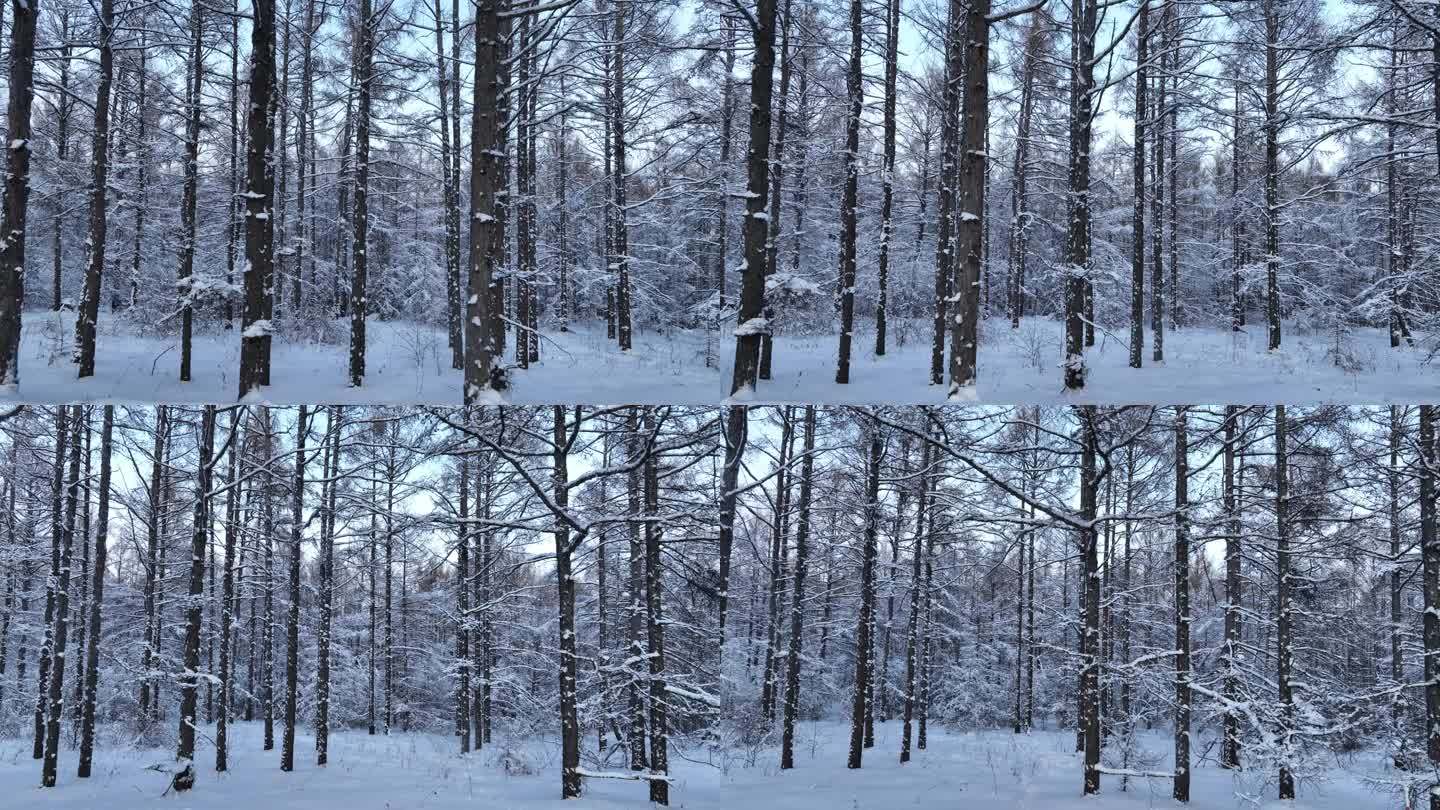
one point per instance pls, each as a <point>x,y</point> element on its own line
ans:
<point>360,262</point>
<point>450,193</point>
<point>1230,658</point>
<point>190,195</point>
<point>55,686</point>
<point>1090,633</point>
<point>1182,609</point>
<point>292,613</point>
<point>1283,652</point>
<point>752,326</point>
<point>63,105</point>
<point>1077,233</point>
<point>917,581</point>
<point>887,170</point>
<point>57,539</point>
<point>655,630</point>
<point>618,181</point>
<point>1137,245</point>
<point>569,720</point>
<point>970,236</point>
<point>323,641</point>
<point>17,187</point>
<point>737,423</point>
<point>797,596</point>
<point>259,203</point>
<point>227,596</point>
<point>487,184</point>
<point>849,201</point>
<point>946,179</point>
<point>1272,175</point>
<point>199,538</point>
<point>864,640</point>
<point>1430,555</point>
<point>89,312</point>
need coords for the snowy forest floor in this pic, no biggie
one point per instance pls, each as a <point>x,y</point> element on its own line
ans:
<point>990,770</point>
<point>408,363</point>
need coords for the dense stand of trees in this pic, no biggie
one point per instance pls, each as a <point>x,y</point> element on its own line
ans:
<point>305,169</point>
<point>1263,577</point>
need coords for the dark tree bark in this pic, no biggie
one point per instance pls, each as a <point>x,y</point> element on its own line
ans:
<point>227,595</point>
<point>259,203</point>
<point>450,191</point>
<point>55,686</point>
<point>849,200</point>
<point>1230,657</point>
<point>292,613</point>
<point>917,581</point>
<point>1272,173</point>
<point>737,423</point>
<point>1137,245</point>
<point>323,642</point>
<point>887,171</point>
<point>360,261</point>
<point>17,186</point>
<point>1090,632</point>
<point>487,184</point>
<point>1182,609</point>
<point>190,195</point>
<point>752,326</point>
<point>462,609</point>
<point>655,630</point>
<point>1077,232</point>
<point>797,596</point>
<point>1283,652</point>
<point>864,640</point>
<point>970,236</point>
<point>946,180</point>
<point>89,312</point>
<point>199,539</point>
<point>57,539</point>
<point>1430,556</point>
<point>569,720</point>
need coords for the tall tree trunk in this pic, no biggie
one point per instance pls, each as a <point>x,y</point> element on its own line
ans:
<point>752,326</point>
<point>569,720</point>
<point>1430,555</point>
<point>323,642</point>
<point>292,613</point>
<point>55,686</point>
<point>360,262</point>
<point>259,203</point>
<point>1137,245</point>
<point>849,201</point>
<point>487,184</point>
<point>227,595</point>
<point>450,192</point>
<point>887,171</point>
<point>1182,609</point>
<point>189,197</point>
<point>917,578</point>
<point>1077,232</point>
<point>736,429</point>
<point>57,538</point>
<point>1231,656</point>
<point>199,538</point>
<point>89,313</point>
<point>462,609</point>
<point>655,630</point>
<point>970,234</point>
<point>1090,632</point>
<point>797,596</point>
<point>1283,651</point>
<point>619,180</point>
<point>17,187</point>
<point>63,105</point>
<point>947,180</point>
<point>864,640</point>
<point>1272,173</point>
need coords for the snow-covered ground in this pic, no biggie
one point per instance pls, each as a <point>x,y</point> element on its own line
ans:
<point>992,770</point>
<point>409,363</point>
